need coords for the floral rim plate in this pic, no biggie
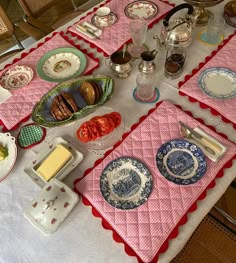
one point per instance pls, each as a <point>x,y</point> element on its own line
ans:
<point>181,162</point>
<point>218,83</point>
<point>104,21</point>
<point>105,141</point>
<point>141,9</point>
<point>16,77</point>
<point>61,64</point>
<point>6,165</point>
<point>126,183</point>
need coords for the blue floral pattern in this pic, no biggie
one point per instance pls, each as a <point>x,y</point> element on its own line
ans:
<point>181,162</point>
<point>126,183</point>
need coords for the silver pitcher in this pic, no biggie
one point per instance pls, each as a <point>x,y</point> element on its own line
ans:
<point>120,63</point>
<point>147,64</point>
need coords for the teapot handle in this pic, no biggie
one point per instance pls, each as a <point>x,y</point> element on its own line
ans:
<point>175,10</point>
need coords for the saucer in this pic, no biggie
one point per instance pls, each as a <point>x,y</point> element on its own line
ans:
<point>202,37</point>
<point>105,21</point>
<point>153,99</point>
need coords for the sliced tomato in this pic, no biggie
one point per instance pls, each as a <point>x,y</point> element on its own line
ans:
<point>84,133</point>
<point>116,117</point>
<point>103,125</point>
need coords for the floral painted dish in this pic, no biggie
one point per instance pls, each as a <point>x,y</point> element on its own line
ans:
<point>126,183</point>
<point>16,77</point>
<point>181,162</point>
<point>218,83</point>
<point>61,64</point>
<point>141,10</point>
<point>105,21</point>
<point>42,115</point>
<point>51,206</point>
<point>30,169</point>
<point>7,164</point>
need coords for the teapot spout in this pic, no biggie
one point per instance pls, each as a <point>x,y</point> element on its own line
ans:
<point>160,42</point>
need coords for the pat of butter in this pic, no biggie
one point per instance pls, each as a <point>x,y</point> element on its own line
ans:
<point>54,162</point>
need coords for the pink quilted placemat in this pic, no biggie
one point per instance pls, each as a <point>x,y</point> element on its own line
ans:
<point>113,37</point>
<point>225,57</point>
<point>146,229</point>
<point>19,106</point>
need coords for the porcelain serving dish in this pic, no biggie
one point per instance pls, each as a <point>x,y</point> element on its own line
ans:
<point>218,83</point>
<point>7,164</point>
<point>126,183</point>
<point>61,64</point>
<point>51,206</point>
<point>16,77</point>
<point>77,157</point>
<point>141,10</point>
<point>42,111</point>
<point>181,162</point>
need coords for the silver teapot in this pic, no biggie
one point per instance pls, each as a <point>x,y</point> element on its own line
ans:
<point>177,31</point>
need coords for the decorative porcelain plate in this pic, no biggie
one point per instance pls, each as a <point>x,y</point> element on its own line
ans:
<point>42,111</point>
<point>6,165</point>
<point>181,162</point>
<point>105,21</point>
<point>141,9</point>
<point>16,77</point>
<point>126,183</point>
<point>218,83</point>
<point>51,206</point>
<point>61,64</point>
<point>77,157</point>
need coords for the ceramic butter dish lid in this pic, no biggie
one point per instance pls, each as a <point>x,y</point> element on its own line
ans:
<point>51,207</point>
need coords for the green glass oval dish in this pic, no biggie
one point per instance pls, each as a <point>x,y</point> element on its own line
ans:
<point>42,111</point>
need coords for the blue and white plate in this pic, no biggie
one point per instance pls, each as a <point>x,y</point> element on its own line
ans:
<point>126,183</point>
<point>181,162</point>
<point>218,83</point>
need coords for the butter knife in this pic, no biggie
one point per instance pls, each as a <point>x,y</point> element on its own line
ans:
<point>204,140</point>
<point>87,30</point>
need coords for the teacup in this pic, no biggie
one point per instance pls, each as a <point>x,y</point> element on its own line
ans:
<point>103,15</point>
<point>121,64</point>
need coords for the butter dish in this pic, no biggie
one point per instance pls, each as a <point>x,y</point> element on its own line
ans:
<point>51,206</point>
<point>34,164</point>
<point>219,149</point>
<point>89,30</point>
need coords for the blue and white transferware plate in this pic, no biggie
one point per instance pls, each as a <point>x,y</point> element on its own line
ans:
<point>218,83</point>
<point>126,183</point>
<point>181,162</point>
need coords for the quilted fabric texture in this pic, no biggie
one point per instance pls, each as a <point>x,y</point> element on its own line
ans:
<point>146,228</point>
<point>115,36</point>
<point>225,57</point>
<point>22,101</point>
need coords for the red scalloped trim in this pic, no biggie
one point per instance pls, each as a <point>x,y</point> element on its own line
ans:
<point>182,221</point>
<point>92,45</point>
<point>194,71</point>
<point>24,54</point>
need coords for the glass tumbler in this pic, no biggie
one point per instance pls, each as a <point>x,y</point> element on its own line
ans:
<point>175,59</point>
<point>215,29</point>
<point>145,86</point>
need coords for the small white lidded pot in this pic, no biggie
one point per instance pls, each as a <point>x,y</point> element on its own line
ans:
<point>51,207</point>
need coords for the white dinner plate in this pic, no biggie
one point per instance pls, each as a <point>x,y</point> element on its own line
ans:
<point>218,83</point>
<point>6,165</point>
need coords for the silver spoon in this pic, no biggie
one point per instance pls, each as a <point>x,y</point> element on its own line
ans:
<point>187,134</point>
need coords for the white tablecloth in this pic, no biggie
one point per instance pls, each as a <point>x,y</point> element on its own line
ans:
<point>81,238</point>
